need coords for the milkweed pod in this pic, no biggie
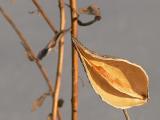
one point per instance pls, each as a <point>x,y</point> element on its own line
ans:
<point>118,82</point>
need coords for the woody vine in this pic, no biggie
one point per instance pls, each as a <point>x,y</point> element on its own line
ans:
<point>118,82</point>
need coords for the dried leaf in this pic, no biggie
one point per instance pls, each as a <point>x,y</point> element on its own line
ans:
<point>93,9</point>
<point>39,102</point>
<point>119,82</point>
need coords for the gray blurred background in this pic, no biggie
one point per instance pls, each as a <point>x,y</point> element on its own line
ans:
<point>128,29</point>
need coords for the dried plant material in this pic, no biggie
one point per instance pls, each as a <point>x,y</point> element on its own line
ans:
<point>93,9</point>
<point>52,43</point>
<point>28,49</point>
<point>24,42</point>
<point>119,82</point>
<point>49,116</point>
<point>29,56</point>
<point>86,23</point>
<point>28,52</point>
<point>44,15</point>
<point>39,102</point>
<point>125,112</point>
<point>60,102</point>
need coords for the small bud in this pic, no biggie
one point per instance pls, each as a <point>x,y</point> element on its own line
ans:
<point>42,53</point>
<point>60,102</point>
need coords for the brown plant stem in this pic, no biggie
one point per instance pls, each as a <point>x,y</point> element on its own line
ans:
<point>74,33</point>
<point>29,49</point>
<point>126,114</point>
<point>59,115</point>
<point>40,9</point>
<point>60,61</point>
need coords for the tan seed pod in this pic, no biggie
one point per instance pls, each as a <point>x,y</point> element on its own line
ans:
<point>118,82</point>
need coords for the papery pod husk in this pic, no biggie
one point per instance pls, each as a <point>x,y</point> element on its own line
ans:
<point>118,82</point>
<point>39,101</point>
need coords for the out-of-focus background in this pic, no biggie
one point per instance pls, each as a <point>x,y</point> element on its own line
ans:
<point>129,29</point>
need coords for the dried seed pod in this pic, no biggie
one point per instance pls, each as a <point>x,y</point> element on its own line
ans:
<point>39,101</point>
<point>118,82</point>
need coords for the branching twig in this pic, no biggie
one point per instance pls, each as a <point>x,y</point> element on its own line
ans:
<point>52,43</point>
<point>60,61</point>
<point>126,114</point>
<point>28,49</point>
<point>40,9</point>
<point>74,32</point>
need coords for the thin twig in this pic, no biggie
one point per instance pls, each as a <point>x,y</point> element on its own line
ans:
<point>74,32</point>
<point>40,9</point>
<point>29,49</point>
<point>86,23</point>
<point>45,75</point>
<point>126,114</point>
<point>60,61</point>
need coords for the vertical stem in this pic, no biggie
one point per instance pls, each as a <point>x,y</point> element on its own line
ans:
<point>126,114</point>
<point>60,62</point>
<point>74,32</point>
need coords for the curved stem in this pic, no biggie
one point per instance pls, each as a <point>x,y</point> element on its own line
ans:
<point>60,62</point>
